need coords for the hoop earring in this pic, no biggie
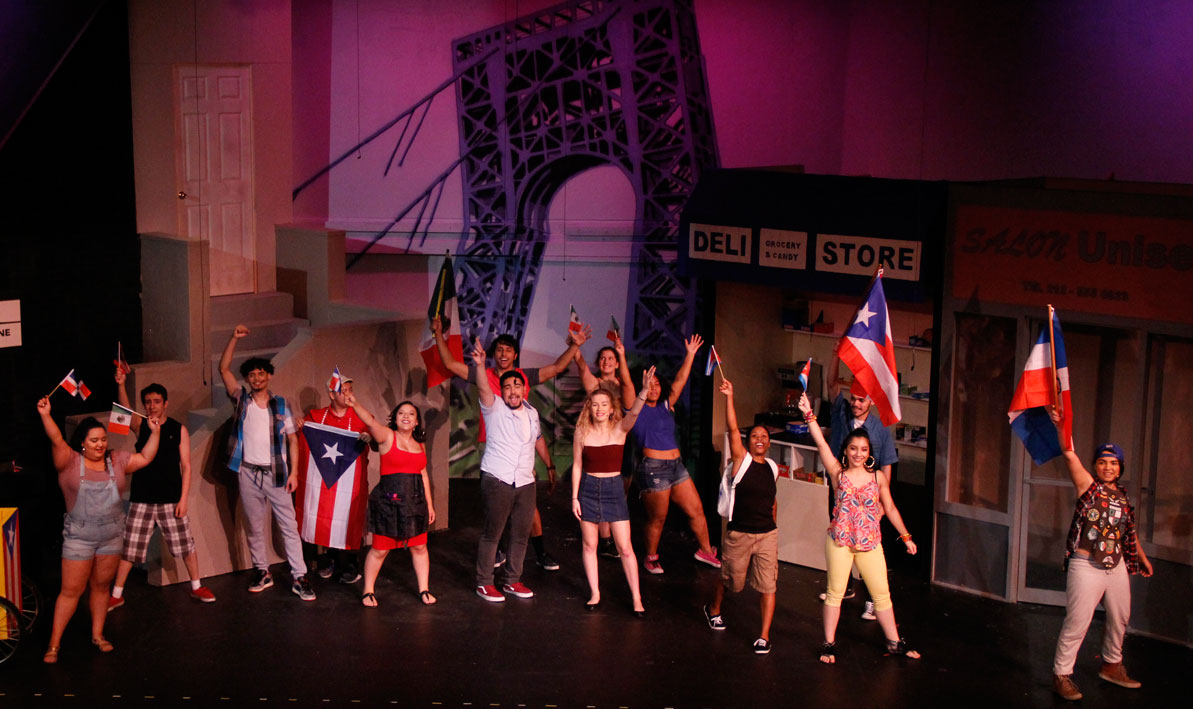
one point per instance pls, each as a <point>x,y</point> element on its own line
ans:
<point>844,462</point>
<point>871,462</point>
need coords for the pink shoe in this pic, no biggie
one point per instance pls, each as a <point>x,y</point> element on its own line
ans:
<point>204,594</point>
<point>710,559</point>
<point>651,564</point>
<point>114,602</point>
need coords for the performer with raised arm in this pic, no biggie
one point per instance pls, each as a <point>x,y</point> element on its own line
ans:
<point>261,446</point>
<point>661,473</point>
<point>862,493</point>
<point>93,480</point>
<point>401,508</point>
<point>159,495</point>
<point>597,492</point>
<point>751,544</point>
<point>505,354</point>
<point>507,477</point>
<point>1101,553</point>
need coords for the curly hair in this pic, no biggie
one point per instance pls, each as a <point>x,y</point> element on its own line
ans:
<point>584,424</point>
<point>419,433</point>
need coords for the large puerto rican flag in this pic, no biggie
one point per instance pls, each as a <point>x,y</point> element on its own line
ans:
<point>1037,390</point>
<point>332,486</point>
<point>443,306</point>
<point>869,352</point>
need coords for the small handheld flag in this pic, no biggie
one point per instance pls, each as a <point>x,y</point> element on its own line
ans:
<point>84,392</point>
<point>120,362</point>
<point>68,383</point>
<point>1044,383</point>
<point>574,324</point>
<point>714,361</point>
<point>121,419</point>
<point>442,306</point>
<point>614,333</point>
<point>804,373</point>
<point>336,383</point>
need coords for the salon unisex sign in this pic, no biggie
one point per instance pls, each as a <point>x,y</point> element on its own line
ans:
<point>801,251</point>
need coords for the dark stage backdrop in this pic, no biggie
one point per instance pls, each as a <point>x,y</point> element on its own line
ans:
<point>70,255</point>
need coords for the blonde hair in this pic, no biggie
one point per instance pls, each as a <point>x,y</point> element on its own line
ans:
<point>584,424</point>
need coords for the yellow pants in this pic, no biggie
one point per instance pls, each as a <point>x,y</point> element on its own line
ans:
<point>871,564</point>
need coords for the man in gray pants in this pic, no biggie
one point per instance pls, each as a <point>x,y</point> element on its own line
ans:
<point>507,478</point>
<point>260,446</point>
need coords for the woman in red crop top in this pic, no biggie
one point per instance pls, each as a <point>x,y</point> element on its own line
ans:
<point>862,495</point>
<point>597,494</point>
<point>400,506</point>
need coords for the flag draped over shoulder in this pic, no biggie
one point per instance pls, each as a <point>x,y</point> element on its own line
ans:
<point>443,306</point>
<point>1037,390</point>
<point>332,486</point>
<point>869,351</point>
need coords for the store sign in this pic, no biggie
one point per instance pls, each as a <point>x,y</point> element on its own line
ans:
<point>720,243</point>
<point>779,248</point>
<point>862,255</point>
<point>1136,267</point>
<point>10,323</point>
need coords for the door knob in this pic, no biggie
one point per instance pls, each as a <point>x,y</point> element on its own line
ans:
<point>181,194</point>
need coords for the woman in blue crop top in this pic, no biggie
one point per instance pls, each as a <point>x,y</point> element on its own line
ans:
<point>597,495</point>
<point>661,474</point>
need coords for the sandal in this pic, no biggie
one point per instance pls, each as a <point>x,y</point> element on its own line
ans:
<point>102,644</point>
<point>427,598</point>
<point>367,597</point>
<point>828,653</point>
<point>51,655</point>
<point>900,648</point>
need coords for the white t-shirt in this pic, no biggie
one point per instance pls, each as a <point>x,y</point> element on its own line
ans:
<point>510,435</point>
<point>257,433</point>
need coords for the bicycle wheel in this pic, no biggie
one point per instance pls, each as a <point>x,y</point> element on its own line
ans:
<point>30,604</point>
<point>10,630</point>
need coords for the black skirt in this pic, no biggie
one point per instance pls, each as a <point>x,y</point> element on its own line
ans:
<point>398,506</point>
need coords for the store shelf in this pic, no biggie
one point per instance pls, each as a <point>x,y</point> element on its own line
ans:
<point>922,445</point>
<point>914,398</point>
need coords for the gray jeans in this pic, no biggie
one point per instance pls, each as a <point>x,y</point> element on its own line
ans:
<point>504,503</point>
<point>256,491</point>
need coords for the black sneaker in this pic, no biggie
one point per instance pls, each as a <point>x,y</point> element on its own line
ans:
<point>546,562</point>
<point>761,647</point>
<point>716,622</point>
<point>302,589</point>
<point>498,559</point>
<point>608,549</point>
<point>262,580</point>
<point>326,572</point>
<point>349,576</point>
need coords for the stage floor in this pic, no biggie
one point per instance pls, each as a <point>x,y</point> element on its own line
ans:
<point>272,649</point>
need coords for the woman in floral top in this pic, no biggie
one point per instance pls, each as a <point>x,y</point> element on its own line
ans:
<point>862,495</point>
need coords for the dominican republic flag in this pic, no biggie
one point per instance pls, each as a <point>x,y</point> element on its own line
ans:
<point>443,306</point>
<point>714,361</point>
<point>337,381</point>
<point>84,392</point>
<point>120,362</point>
<point>869,352</point>
<point>333,488</point>
<point>120,420</point>
<point>69,384</point>
<point>574,324</point>
<point>614,333</point>
<point>1036,391</point>
<point>805,373</point>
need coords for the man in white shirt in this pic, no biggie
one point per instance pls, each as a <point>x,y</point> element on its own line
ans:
<point>507,478</point>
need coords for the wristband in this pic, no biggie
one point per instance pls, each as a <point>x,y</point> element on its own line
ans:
<point>809,417</point>
<point>905,537</point>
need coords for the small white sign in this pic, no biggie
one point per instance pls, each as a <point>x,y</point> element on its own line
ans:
<point>10,323</point>
<point>862,255</point>
<point>783,249</point>
<point>720,243</point>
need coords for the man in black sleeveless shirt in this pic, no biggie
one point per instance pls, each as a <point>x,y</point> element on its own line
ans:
<point>158,495</point>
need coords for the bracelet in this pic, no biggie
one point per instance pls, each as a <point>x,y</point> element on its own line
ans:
<point>809,417</point>
<point>905,537</point>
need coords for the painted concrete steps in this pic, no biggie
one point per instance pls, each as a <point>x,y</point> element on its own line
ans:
<point>228,310</point>
<point>262,333</point>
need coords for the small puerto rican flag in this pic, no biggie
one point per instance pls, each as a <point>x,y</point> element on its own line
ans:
<point>69,384</point>
<point>337,382</point>
<point>120,420</point>
<point>574,324</point>
<point>804,373</point>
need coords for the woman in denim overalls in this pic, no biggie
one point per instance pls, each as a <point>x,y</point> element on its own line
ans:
<point>93,481</point>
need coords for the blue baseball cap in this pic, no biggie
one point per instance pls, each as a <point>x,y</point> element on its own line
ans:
<point>1109,450</point>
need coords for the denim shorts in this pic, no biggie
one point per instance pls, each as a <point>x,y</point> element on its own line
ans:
<point>603,500</point>
<point>656,475</point>
<point>82,539</point>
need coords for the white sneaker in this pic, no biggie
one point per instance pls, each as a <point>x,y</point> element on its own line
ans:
<point>868,613</point>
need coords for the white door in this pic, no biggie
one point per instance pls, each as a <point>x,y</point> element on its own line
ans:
<point>214,164</point>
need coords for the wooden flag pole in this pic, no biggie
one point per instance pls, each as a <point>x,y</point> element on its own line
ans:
<point>1052,356</point>
<point>54,390</point>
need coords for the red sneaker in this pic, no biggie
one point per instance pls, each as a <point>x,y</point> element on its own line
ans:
<point>203,593</point>
<point>518,589</point>
<point>114,602</point>
<point>490,593</point>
